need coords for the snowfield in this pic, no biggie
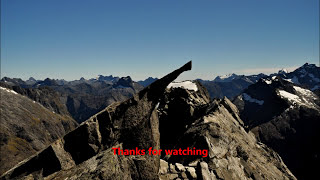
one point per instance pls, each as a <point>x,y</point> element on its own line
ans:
<point>304,97</point>
<point>189,85</point>
<point>304,92</point>
<point>250,99</point>
<point>291,97</point>
<point>8,90</point>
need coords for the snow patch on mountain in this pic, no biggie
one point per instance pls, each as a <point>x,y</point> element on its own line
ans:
<point>291,97</point>
<point>304,97</point>
<point>189,85</point>
<point>8,90</point>
<point>267,81</point>
<point>250,99</point>
<point>305,92</point>
<point>293,80</point>
<point>225,78</point>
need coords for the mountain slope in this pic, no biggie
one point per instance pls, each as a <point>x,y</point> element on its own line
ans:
<point>286,117</point>
<point>27,127</point>
<point>307,76</point>
<point>46,96</point>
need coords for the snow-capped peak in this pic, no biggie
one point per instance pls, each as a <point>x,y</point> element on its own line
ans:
<point>283,71</point>
<point>270,80</point>
<point>225,78</point>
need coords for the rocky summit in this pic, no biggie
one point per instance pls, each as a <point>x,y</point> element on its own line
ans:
<point>165,115</point>
<point>233,153</point>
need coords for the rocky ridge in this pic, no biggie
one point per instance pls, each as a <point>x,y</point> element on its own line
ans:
<point>234,153</point>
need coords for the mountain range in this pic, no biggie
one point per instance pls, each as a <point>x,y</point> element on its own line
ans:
<point>232,85</point>
<point>81,98</point>
<point>253,127</point>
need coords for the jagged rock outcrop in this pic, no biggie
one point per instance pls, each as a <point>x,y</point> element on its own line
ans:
<point>27,127</point>
<point>178,109</point>
<point>233,153</point>
<point>86,152</point>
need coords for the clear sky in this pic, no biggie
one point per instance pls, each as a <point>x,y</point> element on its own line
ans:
<point>70,39</point>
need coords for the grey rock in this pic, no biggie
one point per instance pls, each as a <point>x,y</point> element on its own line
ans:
<point>191,172</point>
<point>172,168</point>
<point>193,164</point>
<point>184,175</point>
<point>163,167</point>
<point>180,167</point>
<point>204,171</point>
<point>173,176</point>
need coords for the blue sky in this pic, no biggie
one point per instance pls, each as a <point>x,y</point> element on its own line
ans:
<point>70,39</point>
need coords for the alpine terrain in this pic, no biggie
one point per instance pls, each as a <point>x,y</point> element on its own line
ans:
<point>164,115</point>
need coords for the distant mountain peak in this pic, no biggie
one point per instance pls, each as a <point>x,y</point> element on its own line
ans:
<point>32,79</point>
<point>147,81</point>
<point>283,71</point>
<point>124,82</point>
<point>309,65</point>
<point>107,78</point>
<point>128,78</point>
<point>226,78</point>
